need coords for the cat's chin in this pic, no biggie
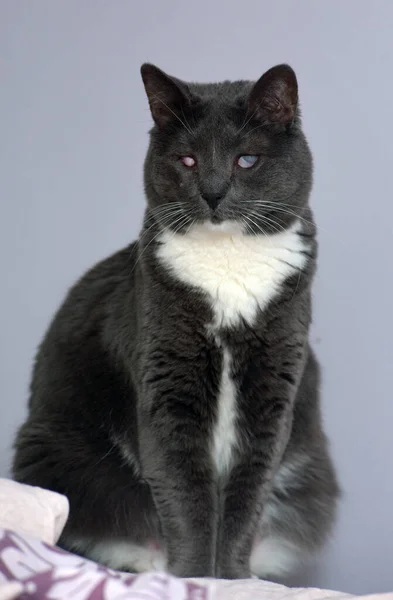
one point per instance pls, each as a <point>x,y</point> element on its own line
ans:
<point>228,226</point>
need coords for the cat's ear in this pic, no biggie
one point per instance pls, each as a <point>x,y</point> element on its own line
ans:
<point>167,95</point>
<point>274,97</point>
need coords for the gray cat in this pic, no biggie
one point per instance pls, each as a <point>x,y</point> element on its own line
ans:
<point>175,395</point>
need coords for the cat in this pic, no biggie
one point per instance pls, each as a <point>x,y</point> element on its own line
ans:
<point>175,396</point>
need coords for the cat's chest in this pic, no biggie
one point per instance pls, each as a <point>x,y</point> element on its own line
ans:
<point>238,273</point>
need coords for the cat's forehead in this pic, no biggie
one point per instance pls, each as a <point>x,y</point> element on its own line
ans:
<point>221,109</point>
<point>224,91</point>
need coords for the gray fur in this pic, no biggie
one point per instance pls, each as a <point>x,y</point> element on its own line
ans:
<point>124,390</point>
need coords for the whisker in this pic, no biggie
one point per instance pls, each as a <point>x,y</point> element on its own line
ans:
<point>279,208</point>
<point>182,224</point>
<point>293,214</point>
<point>163,214</point>
<point>251,130</point>
<point>277,227</point>
<point>259,228</point>
<point>184,117</point>
<point>249,220</point>
<point>306,221</point>
<point>274,203</point>
<point>163,220</point>
<point>251,117</point>
<point>262,231</point>
<point>174,114</point>
<point>170,224</point>
<point>193,221</point>
<point>297,283</point>
<point>246,225</point>
<point>166,206</point>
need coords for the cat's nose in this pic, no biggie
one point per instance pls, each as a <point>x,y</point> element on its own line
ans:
<point>213,199</point>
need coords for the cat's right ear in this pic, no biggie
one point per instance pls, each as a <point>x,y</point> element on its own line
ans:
<point>167,96</point>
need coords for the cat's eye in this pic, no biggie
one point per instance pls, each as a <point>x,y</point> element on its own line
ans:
<point>247,161</point>
<point>188,161</point>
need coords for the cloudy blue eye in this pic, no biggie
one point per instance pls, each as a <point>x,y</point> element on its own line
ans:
<point>247,161</point>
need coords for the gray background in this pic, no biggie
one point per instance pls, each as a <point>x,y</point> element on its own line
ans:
<point>73,133</point>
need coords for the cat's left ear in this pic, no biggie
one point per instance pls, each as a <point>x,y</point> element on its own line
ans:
<point>167,95</point>
<point>274,97</point>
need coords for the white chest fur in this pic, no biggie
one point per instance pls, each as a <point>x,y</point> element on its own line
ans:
<point>240,275</point>
<point>224,434</point>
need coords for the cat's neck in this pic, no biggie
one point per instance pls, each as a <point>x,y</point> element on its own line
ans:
<point>239,273</point>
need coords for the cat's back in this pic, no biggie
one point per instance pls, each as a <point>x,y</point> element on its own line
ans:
<point>80,397</point>
<point>100,284</point>
<point>75,353</point>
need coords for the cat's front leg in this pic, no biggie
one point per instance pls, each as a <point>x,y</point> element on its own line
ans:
<point>267,411</point>
<point>243,500</point>
<point>175,464</point>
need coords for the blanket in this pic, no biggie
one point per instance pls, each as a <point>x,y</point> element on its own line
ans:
<point>31,521</point>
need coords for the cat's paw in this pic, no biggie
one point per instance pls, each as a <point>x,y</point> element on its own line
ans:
<point>128,557</point>
<point>147,559</point>
<point>235,573</point>
<point>234,569</point>
<point>186,569</point>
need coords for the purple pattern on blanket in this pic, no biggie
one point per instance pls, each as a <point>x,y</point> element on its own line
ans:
<point>48,573</point>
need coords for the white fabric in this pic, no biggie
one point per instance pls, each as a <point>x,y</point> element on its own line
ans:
<point>42,514</point>
<point>32,510</point>
<point>263,590</point>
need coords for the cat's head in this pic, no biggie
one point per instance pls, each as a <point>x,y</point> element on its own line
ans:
<point>226,153</point>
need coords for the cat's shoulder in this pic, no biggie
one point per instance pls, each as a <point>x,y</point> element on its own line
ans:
<point>94,293</point>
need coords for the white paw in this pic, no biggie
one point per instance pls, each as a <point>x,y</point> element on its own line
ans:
<point>121,555</point>
<point>147,559</point>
